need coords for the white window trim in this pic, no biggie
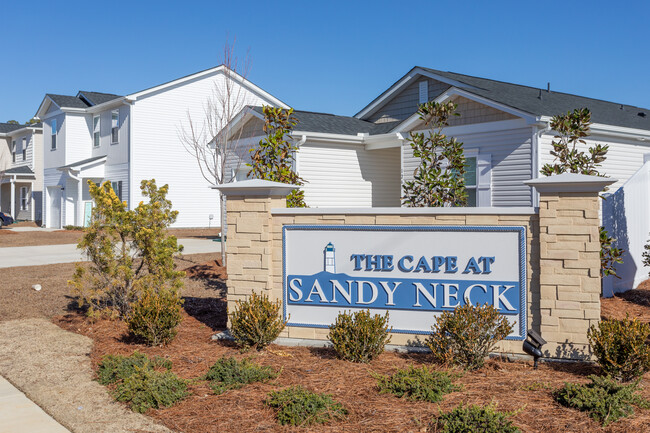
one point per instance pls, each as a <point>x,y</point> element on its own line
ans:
<point>24,198</point>
<point>24,149</point>
<point>115,127</point>
<point>13,151</point>
<point>53,133</point>
<point>98,131</point>
<point>483,177</point>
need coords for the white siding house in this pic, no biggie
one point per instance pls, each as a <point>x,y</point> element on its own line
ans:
<point>126,139</point>
<point>21,171</point>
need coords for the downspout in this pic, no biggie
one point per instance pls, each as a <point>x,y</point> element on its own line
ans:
<point>401,138</point>
<point>131,104</point>
<point>303,140</point>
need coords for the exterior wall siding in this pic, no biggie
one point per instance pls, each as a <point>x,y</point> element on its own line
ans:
<point>624,158</point>
<point>158,152</point>
<point>78,137</point>
<point>404,104</point>
<point>54,158</point>
<point>511,155</point>
<point>344,175</point>
<point>474,112</point>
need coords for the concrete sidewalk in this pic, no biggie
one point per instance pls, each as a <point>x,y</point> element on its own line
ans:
<point>68,253</point>
<point>18,414</point>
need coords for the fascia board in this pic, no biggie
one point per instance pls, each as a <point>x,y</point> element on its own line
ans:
<point>605,129</point>
<point>241,80</point>
<point>43,107</point>
<point>322,136</point>
<point>106,105</point>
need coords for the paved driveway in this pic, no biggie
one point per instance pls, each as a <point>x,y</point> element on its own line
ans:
<point>67,253</point>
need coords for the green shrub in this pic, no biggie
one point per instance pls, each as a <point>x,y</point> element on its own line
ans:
<point>605,399</point>
<point>474,419</point>
<point>298,406</point>
<point>256,322</point>
<point>417,384</point>
<point>115,368</point>
<point>621,348</point>
<point>466,335</point>
<point>155,316</point>
<point>147,388</point>
<point>359,336</point>
<point>228,373</point>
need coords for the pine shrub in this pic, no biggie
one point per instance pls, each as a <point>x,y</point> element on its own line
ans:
<point>155,316</point>
<point>256,322</point>
<point>299,407</point>
<point>474,419</point>
<point>116,368</point>
<point>147,388</point>
<point>605,399</point>
<point>417,384</point>
<point>621,347</point>
<point>466,335</point>
<point>359,336</point>
<point>229,373</point>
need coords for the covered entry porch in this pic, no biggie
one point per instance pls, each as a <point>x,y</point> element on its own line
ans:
<point>17,197</point>
<point>69,202</point>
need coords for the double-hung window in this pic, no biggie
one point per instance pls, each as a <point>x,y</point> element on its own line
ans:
<point>24,148</point>
<point>53,134</point>
<point>23,198</point>
<point>117,188</point>
<point>115,126</point>
<point>96,129</point>
<point>13,151</point>
<point>470,180</point>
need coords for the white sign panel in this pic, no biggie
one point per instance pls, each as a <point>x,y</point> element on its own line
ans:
<point>412,272</point>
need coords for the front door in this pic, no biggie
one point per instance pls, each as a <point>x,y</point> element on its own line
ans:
<point>54,219</point>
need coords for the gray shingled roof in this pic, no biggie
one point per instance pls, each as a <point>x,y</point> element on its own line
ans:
<point>19,170</point>
<point>309,121</point>
<point>8,127</point>
<point>67,101</point>
<point>551,103</point>
<point>96,98</point>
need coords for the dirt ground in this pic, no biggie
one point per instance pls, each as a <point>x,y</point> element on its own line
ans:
<point>29,345</point>
<point>513,386</point>
<point>19,301</point>
<point>9,238</point>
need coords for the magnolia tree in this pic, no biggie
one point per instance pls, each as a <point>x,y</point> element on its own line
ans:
<point>439,179</point>
<point>274,157</point>
<point>211,139</point>
<point>571,130</point>
<point>130,251</point>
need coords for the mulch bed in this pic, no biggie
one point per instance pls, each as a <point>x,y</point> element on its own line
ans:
<point>636,303</point>
<point>511,385</point>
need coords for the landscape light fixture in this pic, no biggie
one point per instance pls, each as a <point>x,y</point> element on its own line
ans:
<point>533,345</point>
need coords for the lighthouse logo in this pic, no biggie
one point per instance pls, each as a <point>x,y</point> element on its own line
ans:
<point>329,259</point>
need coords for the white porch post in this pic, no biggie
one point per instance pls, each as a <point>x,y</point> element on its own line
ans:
<point>79,221</point>
<point>31,201</point>
<point>13,197</point>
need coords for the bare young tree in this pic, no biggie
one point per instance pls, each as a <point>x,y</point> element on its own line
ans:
<point>213,140</point>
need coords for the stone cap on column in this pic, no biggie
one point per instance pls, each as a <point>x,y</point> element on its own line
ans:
<point>256,187</point>
<point>570,182</point>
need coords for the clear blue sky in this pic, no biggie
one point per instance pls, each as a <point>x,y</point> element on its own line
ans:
<point>331,56</point>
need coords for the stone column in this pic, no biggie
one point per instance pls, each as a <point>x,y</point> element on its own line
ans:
<point>249,242</point>
<point>569,249</point>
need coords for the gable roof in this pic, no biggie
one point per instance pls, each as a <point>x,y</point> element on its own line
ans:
<point>66,101</point>
<point>9,127</point>
<point>309,121</point>
<point>19,170</point>
<point>96,98</point>
<point>532,100</point>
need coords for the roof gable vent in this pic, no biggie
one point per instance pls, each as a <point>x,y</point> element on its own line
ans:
<point>424,92</point>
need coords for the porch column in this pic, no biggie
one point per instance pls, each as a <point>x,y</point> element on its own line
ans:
<point>79,220</point>
<point>31,200</point>
<point>250,237</point>
<point>13,197</point>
